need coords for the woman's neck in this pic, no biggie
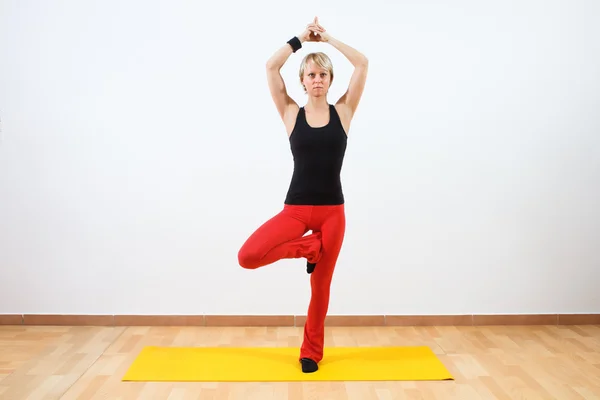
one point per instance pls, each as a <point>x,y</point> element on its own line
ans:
<point>317,104</point>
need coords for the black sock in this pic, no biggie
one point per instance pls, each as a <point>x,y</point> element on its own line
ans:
<point>310,267</point>
<point>308,365</point>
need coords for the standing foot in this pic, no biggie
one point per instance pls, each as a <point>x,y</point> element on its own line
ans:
<point>308,365</point>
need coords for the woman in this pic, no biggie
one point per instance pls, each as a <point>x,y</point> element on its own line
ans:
<point>318,134</point>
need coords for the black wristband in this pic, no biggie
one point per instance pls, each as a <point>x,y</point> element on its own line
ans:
<point>295,43</point>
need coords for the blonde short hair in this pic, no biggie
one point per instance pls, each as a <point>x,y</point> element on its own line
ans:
<point>319,58</point>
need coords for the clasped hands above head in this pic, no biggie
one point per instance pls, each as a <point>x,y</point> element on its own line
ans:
<point>314,32</point>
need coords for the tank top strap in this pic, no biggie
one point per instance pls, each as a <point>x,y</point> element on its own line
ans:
<point>301,117</point>
<point>334,116</point>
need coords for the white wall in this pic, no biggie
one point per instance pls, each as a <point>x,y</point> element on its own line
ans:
<point>140,147</point>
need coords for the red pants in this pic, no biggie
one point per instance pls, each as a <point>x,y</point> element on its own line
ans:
<point>282,237</point>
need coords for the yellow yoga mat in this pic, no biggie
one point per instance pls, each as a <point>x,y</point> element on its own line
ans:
<point>280,364</point>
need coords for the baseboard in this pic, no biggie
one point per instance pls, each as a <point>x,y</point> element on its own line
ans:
<point>298,320</point>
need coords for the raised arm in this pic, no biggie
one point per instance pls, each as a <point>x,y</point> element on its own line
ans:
<point>286,106</point>
<point>349,101</point>
<point>283,102</point>
<point>356,87</point>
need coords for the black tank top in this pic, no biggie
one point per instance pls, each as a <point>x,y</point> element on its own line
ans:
<point>318,157</point>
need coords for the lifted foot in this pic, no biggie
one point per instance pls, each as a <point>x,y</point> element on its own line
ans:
<point>310,267</point>
<point>308,365</point>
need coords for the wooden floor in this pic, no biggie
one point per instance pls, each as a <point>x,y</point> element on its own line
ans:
<point>491,362</point>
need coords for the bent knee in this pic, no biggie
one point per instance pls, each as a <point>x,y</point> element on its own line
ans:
<point>248,259</point>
